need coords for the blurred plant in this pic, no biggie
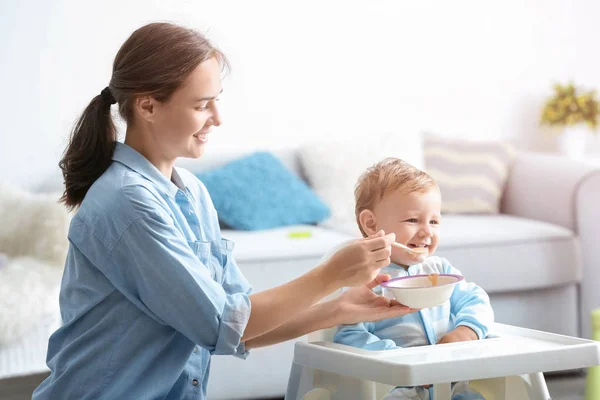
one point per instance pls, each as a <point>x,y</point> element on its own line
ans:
<point>571,106</point>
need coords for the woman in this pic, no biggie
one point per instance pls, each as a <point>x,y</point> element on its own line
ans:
<point>150,289</point>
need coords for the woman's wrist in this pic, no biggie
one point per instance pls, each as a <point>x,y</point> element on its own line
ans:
<point>329,313</point>
<point>327,277</point>
<point>333,311</point>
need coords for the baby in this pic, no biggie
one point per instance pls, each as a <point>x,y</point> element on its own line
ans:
<point>396,197</point>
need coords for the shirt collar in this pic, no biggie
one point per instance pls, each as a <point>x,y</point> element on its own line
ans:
<point>133,160</point>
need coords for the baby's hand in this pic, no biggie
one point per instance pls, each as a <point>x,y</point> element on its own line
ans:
<point>460,334</point>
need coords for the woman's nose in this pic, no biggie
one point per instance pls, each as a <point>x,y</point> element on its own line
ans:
<point>215,118</point>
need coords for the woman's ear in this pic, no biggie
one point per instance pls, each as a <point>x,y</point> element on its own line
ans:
<point>368,222</point>
<point>144,106</point>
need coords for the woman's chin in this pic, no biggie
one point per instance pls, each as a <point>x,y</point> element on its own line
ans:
<point>196,152</point>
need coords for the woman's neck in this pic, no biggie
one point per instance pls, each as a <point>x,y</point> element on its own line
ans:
<point>137,141</point>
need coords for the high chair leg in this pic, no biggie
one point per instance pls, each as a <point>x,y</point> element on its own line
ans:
<point>537,388</point>
<point>300,382</point>
<point>442,391</point>
<point>303,379</point>
<point>342,387</point>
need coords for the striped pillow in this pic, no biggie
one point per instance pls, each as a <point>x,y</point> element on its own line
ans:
<point>471,174</point>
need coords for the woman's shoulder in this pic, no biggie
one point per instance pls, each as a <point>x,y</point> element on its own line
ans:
<point>118,198</point>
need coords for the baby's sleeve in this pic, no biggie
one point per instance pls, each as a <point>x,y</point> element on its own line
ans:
<point>470,305</point>
<point>361,335</point>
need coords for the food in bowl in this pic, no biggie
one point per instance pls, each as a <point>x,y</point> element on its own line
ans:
<point>434,279</point>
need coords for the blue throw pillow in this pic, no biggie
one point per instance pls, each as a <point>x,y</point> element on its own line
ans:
<point>259,192</point>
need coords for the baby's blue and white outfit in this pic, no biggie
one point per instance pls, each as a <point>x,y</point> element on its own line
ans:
<point>469,306</point>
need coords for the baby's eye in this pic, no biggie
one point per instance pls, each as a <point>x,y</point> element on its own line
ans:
<point>434,222</point>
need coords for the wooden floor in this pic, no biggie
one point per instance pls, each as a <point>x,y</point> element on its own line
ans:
<point>20,388</point>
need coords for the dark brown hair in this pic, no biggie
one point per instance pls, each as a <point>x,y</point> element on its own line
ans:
<point>155,60</point>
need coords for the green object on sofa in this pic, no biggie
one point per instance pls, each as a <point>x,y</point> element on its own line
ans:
<point>299,234</point>
<point>592,383</point>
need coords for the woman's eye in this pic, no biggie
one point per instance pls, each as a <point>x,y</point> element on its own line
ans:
<point>203,107</point>
<point>414,220</point>
<point>207,105</point>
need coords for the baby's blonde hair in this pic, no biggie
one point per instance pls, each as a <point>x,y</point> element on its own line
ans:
<point>386,177</point>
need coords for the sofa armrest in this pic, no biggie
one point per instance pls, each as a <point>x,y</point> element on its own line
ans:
<point>567,193</point>
<point>544,187</point>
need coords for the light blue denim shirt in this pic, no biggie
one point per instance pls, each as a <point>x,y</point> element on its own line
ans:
<point>150,290</point>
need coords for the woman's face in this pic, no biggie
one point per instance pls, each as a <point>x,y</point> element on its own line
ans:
<point>182,125</point>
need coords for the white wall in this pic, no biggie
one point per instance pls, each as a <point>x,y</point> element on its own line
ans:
<point>304,69</point>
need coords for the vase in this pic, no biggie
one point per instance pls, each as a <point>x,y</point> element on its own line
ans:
<point>572,141</point>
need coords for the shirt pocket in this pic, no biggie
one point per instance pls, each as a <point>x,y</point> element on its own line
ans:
<point>225,248</point>
<point>201,249</point>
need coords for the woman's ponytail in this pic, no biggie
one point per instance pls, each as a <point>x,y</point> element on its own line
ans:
<point>90,150</point>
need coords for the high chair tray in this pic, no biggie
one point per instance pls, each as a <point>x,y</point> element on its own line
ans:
<point>508,351</point>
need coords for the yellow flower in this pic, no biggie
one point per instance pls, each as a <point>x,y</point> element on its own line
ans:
<point>570,106</point>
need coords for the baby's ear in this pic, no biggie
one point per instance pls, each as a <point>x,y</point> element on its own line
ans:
<point>368,222</point>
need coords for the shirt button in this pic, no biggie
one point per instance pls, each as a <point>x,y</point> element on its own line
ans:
<point>195,349</point>
<point>195,382</point>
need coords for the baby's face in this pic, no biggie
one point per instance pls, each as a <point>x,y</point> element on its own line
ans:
<point>414,218</point>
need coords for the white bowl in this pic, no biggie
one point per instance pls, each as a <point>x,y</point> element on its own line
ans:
<point>417,292</point>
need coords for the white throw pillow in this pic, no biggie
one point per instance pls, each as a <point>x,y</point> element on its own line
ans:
<point>33,225</point>
<point>470,174</point>
<point>29,293</point>
<point>332,168</point>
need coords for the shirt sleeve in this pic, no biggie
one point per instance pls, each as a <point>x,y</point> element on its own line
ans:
<point>470,305</point>
<point>153,266</point>
<point>234,281</point>
<point>360,335</point>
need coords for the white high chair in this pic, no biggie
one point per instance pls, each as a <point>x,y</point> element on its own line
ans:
<point>507,366</point>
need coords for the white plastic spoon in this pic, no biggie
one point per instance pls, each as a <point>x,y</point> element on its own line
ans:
<point>417,251</point>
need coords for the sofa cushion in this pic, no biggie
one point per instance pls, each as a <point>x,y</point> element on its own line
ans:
<point>33,225</point>
<point>503,253</point>
<point>333,167</point>
<point>471,174</point>
<point>259,192</point>
<point>288,243</point>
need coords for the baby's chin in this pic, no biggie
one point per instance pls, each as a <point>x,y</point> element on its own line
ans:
<point>407,261</point>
